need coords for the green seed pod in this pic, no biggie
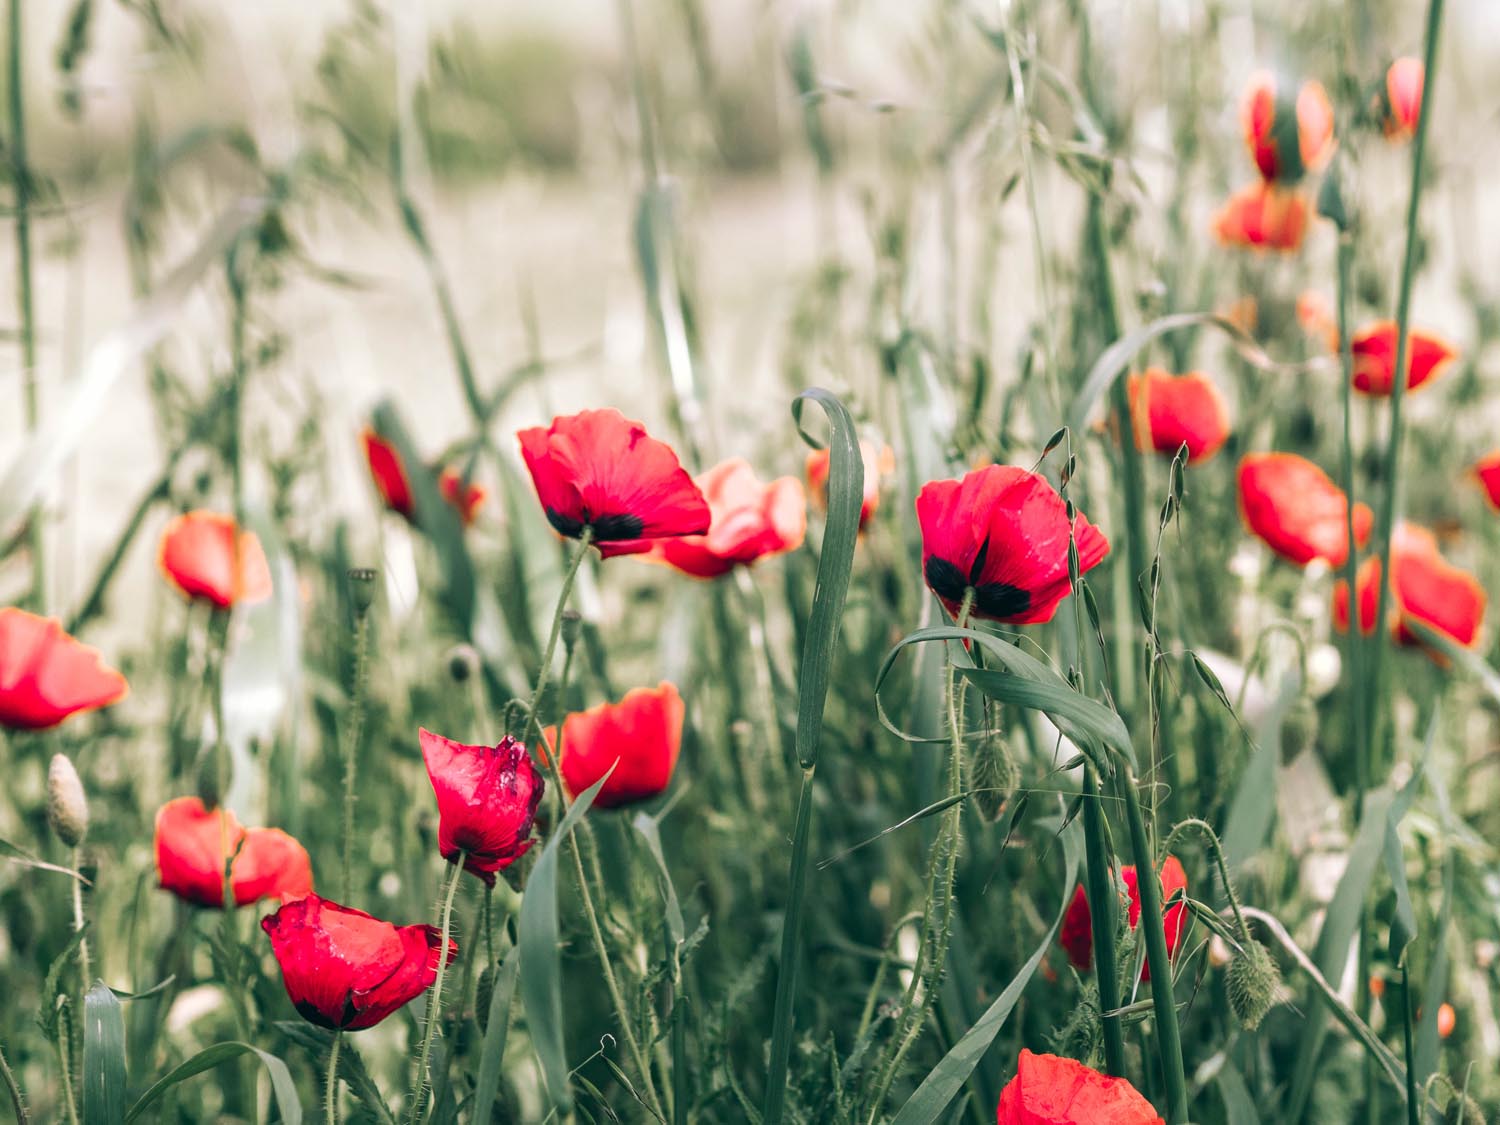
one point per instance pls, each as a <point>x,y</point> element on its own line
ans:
<point>1252,982</point>
<point>463,663</point>
<point>67,806</point>
<point>362,588</point>
<point>995,777</point>
<point>572,625</point>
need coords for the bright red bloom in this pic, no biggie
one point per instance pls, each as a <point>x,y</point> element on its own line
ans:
<point>198,555</point>
<point>47,674</point>
<point>642,732</point>
<point>748,521</point>
<point>1002,532</point>
<point>1178,409</point>
<point>1425,588</point>
<point>1299,513</point>
<point>1487,471</point>
<point>193,842</point>
<point>1401,98</point>
<point>389,474</point>
<point>466,499</point>
<point>1375,358</point>
<point>1263,216</point>
<point>601,471</point>
<point>1077,934</point>
<point>487,798</point>
<point>879,463</point>
<point>1287,137</point>
<point>345,970</point>
<point>1052,1090</point>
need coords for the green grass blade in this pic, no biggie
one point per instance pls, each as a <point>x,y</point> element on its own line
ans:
<point>497,1031</point>
<point>282,1087</point>
<point>1239,1106</point>
<point>103,1057</point>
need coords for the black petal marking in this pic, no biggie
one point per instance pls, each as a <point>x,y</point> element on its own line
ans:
<point>617,527</point>
<point>565,525</point>
<point>946,580</point>
<point>996,599</point>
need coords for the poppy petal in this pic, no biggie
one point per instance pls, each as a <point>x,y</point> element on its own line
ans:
<point>46,674</point>
<point>642,732</point>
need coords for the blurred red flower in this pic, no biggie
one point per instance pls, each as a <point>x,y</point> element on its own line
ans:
<point>391,481</point>
<point>1401,98</point>
<point>1425,588</point>
<point>1177,410</point>
<point>47,674</point>
<point>1077,934</point>
<point>1003,532</point>
<point>599,470</point>
<point>198,555</point>
<point>465,498</point>
<point>486,797</point>
<point>1375,357</point>
<point>880,462</point>
<point>1288,134</point>
<point>1263,216</point>
<point>1487,471</point>
<point>1290,504</point>
<point>346,970</point>
<point>193,842</point>
<point>1052,1090</point>
<point>642,732</point>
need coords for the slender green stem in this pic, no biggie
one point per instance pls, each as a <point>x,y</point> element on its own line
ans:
<point>534,722</point>
<point>1100,890</point>
<point>354,722</point>
<point>17,1101</point>
<point>791,952</point>
<point>1358,714</point>
<point>1413,1103</point>
<point>435,1002</point>
<point>64,1037</point>
<point>331,1087</point>
<point>84,968</point>
<point>93,604</point>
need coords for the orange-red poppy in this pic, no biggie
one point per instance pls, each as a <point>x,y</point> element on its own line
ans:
<point>1288,133</point>
<point>465,497</point>
<point>1077,933</point>
<point>1424,588</point>
<point>47,674</point>
<point>642,733</point>
<point>879,462</point>
<point>1487,471</point>
<point>1169,411</point>
<point>394,486</point>
<point>192,843</point>
<point>1290,504</point>
<point>1263,216</point>
<point>1375,357</point>
<point>1053,1090</point>
<point>1401,98</point>
<point>205,555</point>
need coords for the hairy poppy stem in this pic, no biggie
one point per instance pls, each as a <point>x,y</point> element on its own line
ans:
<point>331,1087</point>
<point>435,1004</point>
<point>17,1101</point>
<point>353,727</point>
<point>78,922</point>
<point>64,1038</point>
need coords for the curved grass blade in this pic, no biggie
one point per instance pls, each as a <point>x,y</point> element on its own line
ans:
<point>282,1086</point>
<point>103,1057</point>
<point>497,1031</point>
<point>1239,1107</point>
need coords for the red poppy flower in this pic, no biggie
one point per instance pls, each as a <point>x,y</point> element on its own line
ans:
<point>1178,409</point>
<point>192,843</point>
<point>345,970</point>
<point>1299,513</point>
<point>1375,358</point>
<point>487,798</point>
<point>1003,532</point>
<point>198,555</point>
<point>599,470</point>
<point>1487,472</point>
<point>1286,136</point>
<point>1052,1090</point>
<point>389,474</point>
<point>47,675</point>
<point>1263,216</point>
<point>1077,934</point>
<point>748,521</point>
<point>880,462</point>
<point>466,499</point>
<point>642,732</point>
<point>1401,100</point>
<point>1425,588</point>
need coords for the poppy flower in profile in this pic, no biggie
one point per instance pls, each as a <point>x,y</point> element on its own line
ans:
<point>1289,133</point>
<point>465,498</point>
<point>748,521</point>
<point>1375,358</point>
<point>599,470</point>
<point>1425,589</point>
<point>1052,1090</point>
<point>345,970</point>
<point>486,797</point>
<point>1400,98</point>
<point>47,674</point>
<point>1169,411</point>
<point>1292,506</point>
<point>879,462</point>
<point>192,843</point>
<point>1263,216</point>
<point>1002,532</point>
<point>1077,934</point>
<point>205,555</point>
<point>389,474</point>
<point>642,732</point>
<point>1487,471</point>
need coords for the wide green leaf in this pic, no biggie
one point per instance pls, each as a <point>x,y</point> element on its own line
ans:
<point>103,1057</point>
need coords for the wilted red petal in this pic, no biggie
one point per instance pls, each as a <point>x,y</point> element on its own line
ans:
<point>1375,357</point>
<point>642,732</point>
<point>389,474</point>
<point>192,843</point>
<point>198,555</point>
<point>1263,216</point>
<point>1170,411</point>
<point>1287,136</point>
<point>1403,98</point>
<point>47,675</point>
<point>1296,510</point>
<point>486,797</point>
<point>1051,1090</point>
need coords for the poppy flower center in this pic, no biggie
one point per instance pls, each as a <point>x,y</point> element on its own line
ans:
<point>992,599</point>
<point>606,528</point>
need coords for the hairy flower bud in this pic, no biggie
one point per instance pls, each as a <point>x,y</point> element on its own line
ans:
<point>1081,1035</point>
<point>67,806</point>
<point>484,992</point>
<point>1252,982</point>
<point>572,625</point>
<point>995,777</point>
<point>1463,1110</point>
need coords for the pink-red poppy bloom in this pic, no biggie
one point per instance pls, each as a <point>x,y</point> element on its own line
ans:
<point>192,843</point>
<point>879,462</point>
<point>465,498</point>
<point>47,674</point>
<point>207,556</point>
<point>748,521</point>
<point>1169,411</point>
<point>642,733</point>
<point>1263,216</point>
<point>1077,934</point>
<point>1375,358</point>
<point>1487,472</point>
<point>389,475</point>
<point>1425,588</point>
<point>598,470</point>
<point>345,970</point>
<point>1052,1090</point>
<point>1400,98</point>
<point>1002,532</point>
<point>486,797</point>
<point>1289,133</point>
<point>1292,506</point>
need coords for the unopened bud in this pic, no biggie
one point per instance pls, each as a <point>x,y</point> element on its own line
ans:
<point>572,624</point>
<point>463,662</point>
<point>995,777</point>
<point>1252,982</point>
<point>1081,1035</point>
<point>484,991</point>
<point>67,806</point>
<point>362,588</point>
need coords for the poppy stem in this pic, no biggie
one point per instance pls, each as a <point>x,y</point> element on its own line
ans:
<point>17,1101</point>
<point>64,1037</point>
<point>1413,1102</point>
<point>78,921</point>
<point>354,722</point>
<point>1100,892</point>
<point>534,723</point>
<point>331,1087</point>
<point>435,1004</point>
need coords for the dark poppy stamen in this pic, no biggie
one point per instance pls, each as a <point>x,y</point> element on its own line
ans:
<point>946,580</point>
<point>609,528</point>
<point>564,524</point>
<point>996,599</point>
